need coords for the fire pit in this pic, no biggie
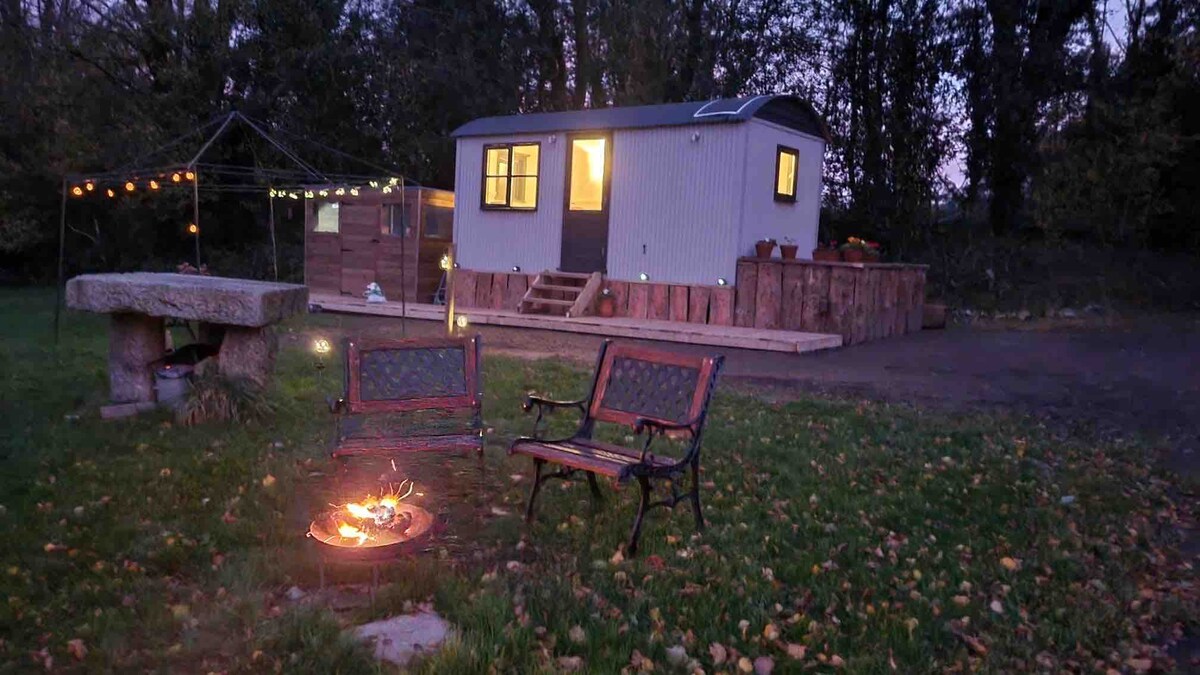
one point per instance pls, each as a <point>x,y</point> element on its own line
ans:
<point>373,528</point>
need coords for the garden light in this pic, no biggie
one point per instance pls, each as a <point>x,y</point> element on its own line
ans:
<point>322,346</point>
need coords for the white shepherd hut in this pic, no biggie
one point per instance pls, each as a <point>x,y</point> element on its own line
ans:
<point>672,193</point>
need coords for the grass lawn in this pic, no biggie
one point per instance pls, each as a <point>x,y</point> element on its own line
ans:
<point>846,535</point>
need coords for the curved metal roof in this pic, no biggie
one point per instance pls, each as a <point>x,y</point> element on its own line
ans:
<point>786,110</point>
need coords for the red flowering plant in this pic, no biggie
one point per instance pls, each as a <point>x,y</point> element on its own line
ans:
<point>856,243</point>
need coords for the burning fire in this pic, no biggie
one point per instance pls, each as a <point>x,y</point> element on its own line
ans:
<point>379,521</point>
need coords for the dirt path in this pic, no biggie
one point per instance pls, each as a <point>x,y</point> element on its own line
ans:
<point>1111,381</point>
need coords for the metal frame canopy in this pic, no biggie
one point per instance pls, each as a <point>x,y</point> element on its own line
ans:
<point>155,172</point>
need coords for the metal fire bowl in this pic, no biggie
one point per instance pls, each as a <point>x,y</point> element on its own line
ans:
<point>323,531</point>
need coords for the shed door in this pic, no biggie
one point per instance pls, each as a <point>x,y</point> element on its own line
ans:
<point>360,231</point>
<point>585,211</point>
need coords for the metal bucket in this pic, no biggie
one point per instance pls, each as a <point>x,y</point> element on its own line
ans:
<point>171,382</point>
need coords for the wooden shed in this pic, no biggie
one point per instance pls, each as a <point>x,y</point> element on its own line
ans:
<point>394,238</point>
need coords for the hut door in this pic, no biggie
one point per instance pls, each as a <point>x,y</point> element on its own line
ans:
<point>585,208</point>
<point>360,232</point>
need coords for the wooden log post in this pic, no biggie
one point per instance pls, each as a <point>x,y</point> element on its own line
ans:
<point>620,295</point>
<point>464,288</point>
<point>660,302</point>
<point>843,312</point>
<point>499,290</point>
<point>639,301</point>
<point>792,301</point>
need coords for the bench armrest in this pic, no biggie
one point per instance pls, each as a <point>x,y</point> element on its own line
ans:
<point>546,405</point>
<point>532,399</point>
<point>656,427</point>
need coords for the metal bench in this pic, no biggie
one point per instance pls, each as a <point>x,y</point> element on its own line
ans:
<point>656,392</point>
<point>410,396</point>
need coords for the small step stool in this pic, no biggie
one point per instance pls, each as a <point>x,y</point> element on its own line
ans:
<point>561,294</point>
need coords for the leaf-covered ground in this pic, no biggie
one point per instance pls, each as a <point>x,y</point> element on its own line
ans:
<point>841,535</point>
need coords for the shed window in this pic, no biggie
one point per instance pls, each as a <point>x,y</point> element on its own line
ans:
<point>327,217</point>
<point>510,176</point>
<point>786,161</point>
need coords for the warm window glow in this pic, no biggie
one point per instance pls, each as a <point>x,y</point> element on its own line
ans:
<point>327,218</point>
<point>510,176</point>
<point>785,173</point>
<point>587,174</point>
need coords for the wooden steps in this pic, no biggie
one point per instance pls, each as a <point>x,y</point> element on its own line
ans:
<point>561,294</point>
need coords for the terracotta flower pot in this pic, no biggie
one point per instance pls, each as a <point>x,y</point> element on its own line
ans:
<point>827,255</point>
<point>788,251</point>
<point>763,249</point>
<point>871,256</point>
<point>606,307</point>
<point>853,255</point>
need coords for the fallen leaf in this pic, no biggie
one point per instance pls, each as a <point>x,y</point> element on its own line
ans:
<point>796,651</point>
<point>763,665</point>
<point>268,481</point>
<point>771,632</point>
<point>718,653</point>
<point>961,600</point>
<point>997,607</point>
<point>745,665</point>
<point>836,661</point>
<point>570,664</point>
<point>677,655</point>
<point>1009,564</point>
<point>577,635</point>
<point>617,558</point>
<point>77,649</point>
<point>1140,665</point>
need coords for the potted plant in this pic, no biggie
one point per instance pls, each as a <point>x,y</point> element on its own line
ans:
<point>872,252</point>
<point>857,250</point>
<point>787,250</point>
<point>827,252</point>
<point>606,306</point>
<point>764,247</point>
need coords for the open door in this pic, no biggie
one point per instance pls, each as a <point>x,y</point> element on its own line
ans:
<point>585,211</point>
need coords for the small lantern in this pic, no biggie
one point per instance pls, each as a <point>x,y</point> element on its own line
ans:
<point>462,321</point>
<point>444,263</point>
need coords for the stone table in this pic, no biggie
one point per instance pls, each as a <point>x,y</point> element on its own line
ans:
<point>238,312</point>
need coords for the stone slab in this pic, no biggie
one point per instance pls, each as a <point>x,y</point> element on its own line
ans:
<point>402,638</point>
<point>220,300</point>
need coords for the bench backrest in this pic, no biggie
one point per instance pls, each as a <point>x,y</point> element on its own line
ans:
<point>634,381</point>
<point>416,374</point>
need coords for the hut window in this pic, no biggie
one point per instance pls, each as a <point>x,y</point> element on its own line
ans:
<point>327,217</point>
<point>510,176</point>
<point>587,174</point>
<point>786,160</point>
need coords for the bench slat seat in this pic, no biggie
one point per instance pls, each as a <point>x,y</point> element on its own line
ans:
<point>604,459</point>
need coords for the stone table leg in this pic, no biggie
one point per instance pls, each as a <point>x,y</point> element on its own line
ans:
<point>134,342</point>
<point>249,353</point>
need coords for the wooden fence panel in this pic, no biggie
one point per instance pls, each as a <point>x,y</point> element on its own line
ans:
<point>814,312</point>
<point>747,285</point>
<point>464,288</point>
<point>660,302</point>
<point>916,311</point>
<point>639,301</point>
<point>767,295</point>
<point>720,306</point>
<point>842,310</point>
<point>517,285</point>
<point>698,304</point>
<point>679,303</point>
<point>620,294</point>
<point>483,290</point>
<point>499,290</point>
<point>792,301</point>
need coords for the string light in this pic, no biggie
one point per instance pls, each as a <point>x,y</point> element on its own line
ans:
<point>294,195</point>
<point>387,189</point>
<point>272,193</point>
<point>324,193</point>
<point>394,181</point>
<point>175,177</point>
<point>308,194</point>
<point>374,184</point>
<point>110,193</point>
<point>190,175</point>
<point>129,186</point>
<point>193,228</point>
<point>77,191</point>
<point>153,185</point>
<point>89,186</point>
<point>340,191</point>
<point>353,192</point>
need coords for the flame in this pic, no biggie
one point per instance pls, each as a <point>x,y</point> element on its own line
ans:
<point>352,532</point>
<point>358,511</point>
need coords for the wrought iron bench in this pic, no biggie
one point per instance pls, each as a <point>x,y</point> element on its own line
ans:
<point>410,396</point>
<point>656,392</point>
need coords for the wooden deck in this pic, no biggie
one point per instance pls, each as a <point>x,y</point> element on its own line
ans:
<point>642,329</point>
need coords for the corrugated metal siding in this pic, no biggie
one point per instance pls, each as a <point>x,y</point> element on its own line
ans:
<point>763,217</point>
<point>674,203</point>
<point>495,241</point>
